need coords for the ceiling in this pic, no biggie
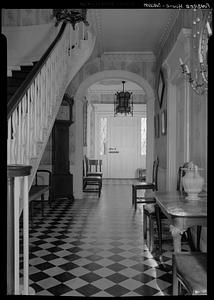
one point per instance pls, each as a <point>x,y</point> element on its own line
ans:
<point>127,30</point>
<point>132,29</point>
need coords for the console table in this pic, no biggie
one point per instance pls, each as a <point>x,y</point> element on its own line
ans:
<point>182,213</point>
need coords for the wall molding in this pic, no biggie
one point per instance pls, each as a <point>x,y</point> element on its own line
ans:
<point>146,56</point>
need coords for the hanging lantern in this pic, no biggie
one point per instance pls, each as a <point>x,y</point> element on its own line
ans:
<point>123,103</point>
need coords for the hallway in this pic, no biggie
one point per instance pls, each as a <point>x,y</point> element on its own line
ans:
<point>94,247</point>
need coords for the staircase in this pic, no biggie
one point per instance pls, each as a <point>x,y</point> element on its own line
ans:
<point>35,94</point>
<point>17,78</point>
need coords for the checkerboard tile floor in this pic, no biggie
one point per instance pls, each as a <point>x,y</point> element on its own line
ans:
<point>95,248</point>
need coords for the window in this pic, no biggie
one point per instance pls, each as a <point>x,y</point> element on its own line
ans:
<point>143,136</point>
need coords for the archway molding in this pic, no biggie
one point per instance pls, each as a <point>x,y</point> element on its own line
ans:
<point>78,102</point>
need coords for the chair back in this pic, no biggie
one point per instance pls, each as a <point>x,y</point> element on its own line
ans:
<point>40,177</point>
<point>181,173</point>
<point>93,165</point>
<point>155,173</point>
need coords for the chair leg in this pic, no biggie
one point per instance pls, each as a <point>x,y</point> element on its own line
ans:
<point>100,187</point>
<point>198,237</point>
<point>151,234</point>
<point>31,213</point>
<point>135,198</point>
<point>132,195</point>
<point>50,197</point>
<point>42,202</point>
<point>175,279</point>
<point>190,241</point>
<point>145,225</point>
<point>159,227</point>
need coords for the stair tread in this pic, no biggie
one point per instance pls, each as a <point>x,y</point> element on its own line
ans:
<point>11,89</point>
<point>26,68</point>
<point>11,81</point>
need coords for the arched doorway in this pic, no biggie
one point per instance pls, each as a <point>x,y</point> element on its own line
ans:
<point>79,99</point>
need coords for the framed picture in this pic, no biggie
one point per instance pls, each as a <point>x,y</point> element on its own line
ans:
<point>156,125</point>
<point>163,122</point>
<point>161,86</point>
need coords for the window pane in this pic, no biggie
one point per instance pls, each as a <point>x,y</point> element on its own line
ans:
<point>143,136</point>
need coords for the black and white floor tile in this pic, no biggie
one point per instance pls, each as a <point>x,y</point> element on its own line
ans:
<point>95,248</point>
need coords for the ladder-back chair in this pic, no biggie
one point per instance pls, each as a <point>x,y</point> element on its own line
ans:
<point>91,183</point>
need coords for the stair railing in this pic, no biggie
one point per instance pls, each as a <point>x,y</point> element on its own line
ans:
<point>32,105</point>
<point>29,110</point>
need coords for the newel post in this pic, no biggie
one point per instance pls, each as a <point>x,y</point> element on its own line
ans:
<point>14,172</point>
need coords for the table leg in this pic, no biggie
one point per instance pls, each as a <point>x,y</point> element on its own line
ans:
<point>176,234</point>
<point>159,227</point>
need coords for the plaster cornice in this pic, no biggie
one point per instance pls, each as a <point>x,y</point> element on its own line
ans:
<point>171,21</point>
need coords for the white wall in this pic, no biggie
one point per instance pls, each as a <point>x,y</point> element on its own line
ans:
<point>26,44</point>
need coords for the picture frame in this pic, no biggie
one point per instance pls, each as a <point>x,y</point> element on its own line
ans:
<point>161,87</point>
<point>156,126</point>
<point>163,122</point>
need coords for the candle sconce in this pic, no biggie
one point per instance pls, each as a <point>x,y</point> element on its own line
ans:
<point>201,32</point>
<point>199,84</point>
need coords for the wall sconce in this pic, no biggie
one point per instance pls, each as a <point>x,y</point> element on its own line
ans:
<point>199,84</point>
<point>202,23</point>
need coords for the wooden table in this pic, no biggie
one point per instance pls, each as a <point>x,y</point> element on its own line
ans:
<point>182,213</point>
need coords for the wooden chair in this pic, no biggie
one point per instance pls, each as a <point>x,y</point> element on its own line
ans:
<point>150,215</point>
<point>94,182</point>
<point>190,272</point>
<point>144,185</point>
<point>93,167</point>
<point>38,190</point>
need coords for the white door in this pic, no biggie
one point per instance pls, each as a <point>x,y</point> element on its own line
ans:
<point>120,141</point>
<point>123,147</point>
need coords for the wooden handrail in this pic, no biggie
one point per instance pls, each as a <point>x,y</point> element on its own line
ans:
<point>17,96</point>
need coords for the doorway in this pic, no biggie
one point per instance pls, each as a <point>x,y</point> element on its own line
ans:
<point>78,100</point>
<point>121,142</point>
